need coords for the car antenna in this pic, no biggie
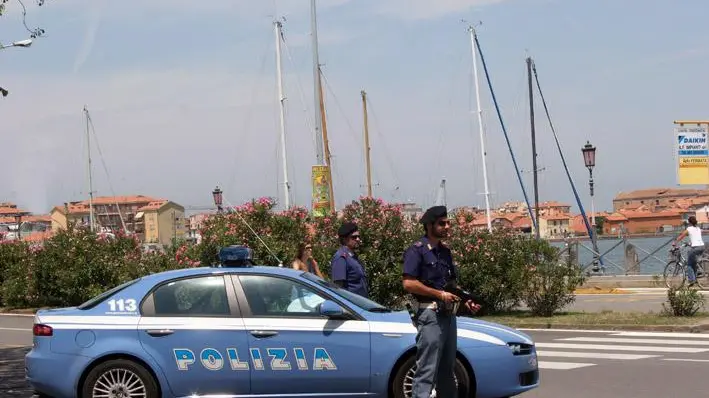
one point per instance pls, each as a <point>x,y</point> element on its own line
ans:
<point>231,206</point>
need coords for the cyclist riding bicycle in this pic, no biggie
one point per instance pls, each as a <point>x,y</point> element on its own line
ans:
<point>696,244</point>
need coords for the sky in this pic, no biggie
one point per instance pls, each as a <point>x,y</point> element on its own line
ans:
<point>183,97</point>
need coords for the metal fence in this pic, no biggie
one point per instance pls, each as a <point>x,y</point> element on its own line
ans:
<point>618,256</point>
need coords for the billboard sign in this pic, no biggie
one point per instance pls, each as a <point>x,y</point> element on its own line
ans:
<point>692,155</point>
<point>321,191</point>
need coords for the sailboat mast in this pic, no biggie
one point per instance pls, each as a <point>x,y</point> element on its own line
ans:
<point>480,124</point>
<point>317,84</point>
<point>278,29</point>
<point>328,159</point>
<point>321,143</point>
<point>367,148</point>
<point>91,183</point>
<point>534,146</point>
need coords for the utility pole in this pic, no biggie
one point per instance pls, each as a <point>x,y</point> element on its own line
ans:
<point>278,28</point>
<point>534,146</point>
<point>367,148</point>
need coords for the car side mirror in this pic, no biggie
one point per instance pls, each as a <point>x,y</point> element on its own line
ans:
<point>331,309</point>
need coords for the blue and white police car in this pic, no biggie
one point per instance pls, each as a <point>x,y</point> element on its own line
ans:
<point>254,331</point>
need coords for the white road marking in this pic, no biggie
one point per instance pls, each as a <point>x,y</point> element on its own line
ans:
<point>563,365</point>
<point>594,355</point>
<point>17,329</point>
<point>22,315</point>
<point>685,360</point>
<point>663,334</point>
<point>634,341</point>
<point>567,330</point>
<point>621,347</point>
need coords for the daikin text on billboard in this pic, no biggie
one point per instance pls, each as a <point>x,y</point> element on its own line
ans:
<point>692,155</point>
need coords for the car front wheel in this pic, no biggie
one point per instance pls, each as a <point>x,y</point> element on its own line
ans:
<point>119,378</point>
<point>403,382</point>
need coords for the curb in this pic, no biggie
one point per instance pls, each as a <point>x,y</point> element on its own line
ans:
<point>697,328</point>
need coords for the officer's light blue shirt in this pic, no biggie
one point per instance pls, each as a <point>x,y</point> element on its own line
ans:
<point>346,268</point>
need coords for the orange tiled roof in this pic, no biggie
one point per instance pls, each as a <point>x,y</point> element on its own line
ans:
<point>41,218</point>
<point>154,205</point>
<point>12,210</point>
<point>648,214</point>
<point>552,203</point>
<point>659,192</point>
<point>83,206</point>
<point>557,217</point>
<point>38,236</point>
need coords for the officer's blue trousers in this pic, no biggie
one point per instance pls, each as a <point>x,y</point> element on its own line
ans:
<point>436,344</point>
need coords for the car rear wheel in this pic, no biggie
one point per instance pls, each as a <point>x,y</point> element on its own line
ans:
<point>119,378</point>
<point>403,382</point>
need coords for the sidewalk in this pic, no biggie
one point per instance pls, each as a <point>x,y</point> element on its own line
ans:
<point>624,281</point>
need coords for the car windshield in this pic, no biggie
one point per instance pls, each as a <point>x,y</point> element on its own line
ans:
<point>98,299</point>
<point>358,300</point>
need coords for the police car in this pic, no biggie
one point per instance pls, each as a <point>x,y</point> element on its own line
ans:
<point>254,331</point>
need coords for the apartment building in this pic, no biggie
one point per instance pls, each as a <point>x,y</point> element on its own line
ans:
<point>658,199</point>
<point>152,220</point>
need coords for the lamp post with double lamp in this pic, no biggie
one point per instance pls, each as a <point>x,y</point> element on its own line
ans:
<point>589,159</point>
<point>20,43</point>
<point>217,195</point>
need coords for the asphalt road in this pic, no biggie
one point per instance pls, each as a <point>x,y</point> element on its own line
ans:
<point>646,301</point>
<point>621,364</point>
<point>580,364</point>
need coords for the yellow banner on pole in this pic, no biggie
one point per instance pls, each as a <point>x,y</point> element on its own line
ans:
<point>321,191</point>
<point>692,155</point>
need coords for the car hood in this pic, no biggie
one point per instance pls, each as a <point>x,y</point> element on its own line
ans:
<point>469,329</point>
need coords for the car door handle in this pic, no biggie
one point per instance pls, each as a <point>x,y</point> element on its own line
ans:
<point>159,332</point>
<point>263,333</point>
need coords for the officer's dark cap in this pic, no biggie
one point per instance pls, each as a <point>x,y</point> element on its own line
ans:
<point>434,213</point>
<point>346,229</point>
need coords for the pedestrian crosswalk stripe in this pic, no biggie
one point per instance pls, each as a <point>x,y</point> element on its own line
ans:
<point>697,336</point>
<point>631,340</point>
<point>563,365</point>
<point>593,355</point>
<point>621,347</point>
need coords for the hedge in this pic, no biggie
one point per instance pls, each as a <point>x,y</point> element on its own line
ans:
<point>505,269</point>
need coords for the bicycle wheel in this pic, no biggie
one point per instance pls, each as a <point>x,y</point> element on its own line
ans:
<point>674,275</point>
<point>702,268</point>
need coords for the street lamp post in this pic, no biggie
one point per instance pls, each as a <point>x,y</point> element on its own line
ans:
<point>217,195</point>
<point>589,159</point>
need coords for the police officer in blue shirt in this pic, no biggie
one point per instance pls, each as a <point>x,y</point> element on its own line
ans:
<point>428,267</point>
<point>347,271</point>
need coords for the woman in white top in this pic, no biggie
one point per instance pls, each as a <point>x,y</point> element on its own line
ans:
<point>696,244</point>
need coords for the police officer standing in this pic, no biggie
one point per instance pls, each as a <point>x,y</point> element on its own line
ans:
<point>428,267</point>
<point>347,271</point>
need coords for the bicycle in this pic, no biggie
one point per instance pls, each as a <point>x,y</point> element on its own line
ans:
<point>676,268</point>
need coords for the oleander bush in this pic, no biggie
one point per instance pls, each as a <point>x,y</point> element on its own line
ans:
<point>504,269</point>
